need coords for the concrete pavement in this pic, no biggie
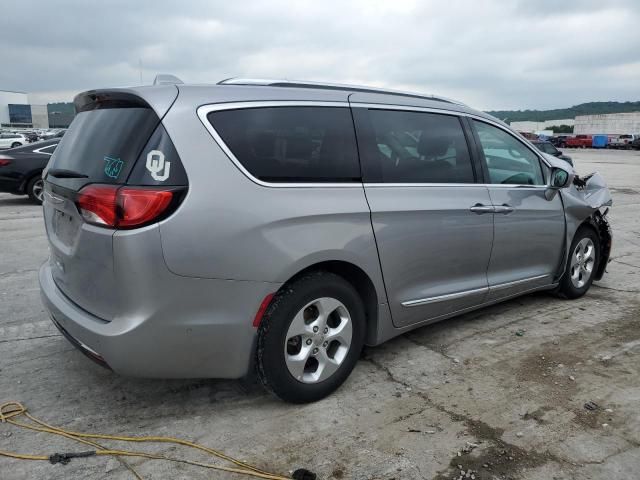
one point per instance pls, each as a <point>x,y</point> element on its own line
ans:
<point>467,394</point>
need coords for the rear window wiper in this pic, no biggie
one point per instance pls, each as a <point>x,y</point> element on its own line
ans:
<point>63,173</point>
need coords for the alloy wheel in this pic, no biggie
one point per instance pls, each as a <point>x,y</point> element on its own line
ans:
<point>38,190</point>
<point>318,340</point>
<point>582,262</point>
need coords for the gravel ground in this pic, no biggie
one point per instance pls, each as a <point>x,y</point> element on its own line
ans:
<point>465,396</point>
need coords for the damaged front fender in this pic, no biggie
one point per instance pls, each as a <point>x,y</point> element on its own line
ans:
<point>586,202</point>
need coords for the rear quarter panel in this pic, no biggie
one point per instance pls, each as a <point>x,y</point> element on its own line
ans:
<point>229,227</point>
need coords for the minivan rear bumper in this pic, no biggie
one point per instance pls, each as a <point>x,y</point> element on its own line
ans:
<point>193,344</point>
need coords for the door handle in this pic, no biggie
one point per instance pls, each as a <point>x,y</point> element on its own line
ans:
<point>504,209</point>
<point>480,209</point>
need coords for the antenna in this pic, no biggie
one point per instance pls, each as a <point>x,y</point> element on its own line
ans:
<point>167,79</point>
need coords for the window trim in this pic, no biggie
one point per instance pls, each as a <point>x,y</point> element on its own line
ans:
<point>541,161</point>
<point>204,110</point>
<point>477,156</point>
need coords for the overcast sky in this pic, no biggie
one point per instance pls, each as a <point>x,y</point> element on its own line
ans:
<point>498,54</point>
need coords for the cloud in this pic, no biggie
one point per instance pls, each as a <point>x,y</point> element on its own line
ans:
<point>489,54</point>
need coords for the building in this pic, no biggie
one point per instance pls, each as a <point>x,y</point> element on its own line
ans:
<point>533,127</point>
<point>12,105</point>
<point>39,116</point>
<point>60,114</point>
<point>608,124</point>
<point>17,112</point>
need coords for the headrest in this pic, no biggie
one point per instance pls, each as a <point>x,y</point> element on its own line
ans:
<point>432,145</point>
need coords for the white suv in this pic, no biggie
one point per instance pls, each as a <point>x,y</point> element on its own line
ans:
<point>12,140</point>
<point>623,141</point>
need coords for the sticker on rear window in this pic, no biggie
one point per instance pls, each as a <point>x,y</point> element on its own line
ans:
<point>113,167</point>
<point>156,164</point>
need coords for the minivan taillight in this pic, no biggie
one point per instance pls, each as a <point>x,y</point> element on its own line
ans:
<point>116,206</point>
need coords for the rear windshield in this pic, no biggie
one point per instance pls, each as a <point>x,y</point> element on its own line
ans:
<point>104,144</point>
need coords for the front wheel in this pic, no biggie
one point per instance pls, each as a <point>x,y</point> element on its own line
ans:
<point>310,338</point>
<point>15,144</point>
<point>584,257</point>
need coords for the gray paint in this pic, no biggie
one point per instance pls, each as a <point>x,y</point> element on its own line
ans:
<point>177,299</point>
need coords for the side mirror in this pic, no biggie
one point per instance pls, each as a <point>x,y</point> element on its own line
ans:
<point>558,178</point>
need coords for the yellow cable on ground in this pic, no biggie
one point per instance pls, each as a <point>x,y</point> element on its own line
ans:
<point>10,410</point>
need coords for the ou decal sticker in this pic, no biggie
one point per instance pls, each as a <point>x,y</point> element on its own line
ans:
<point>156,164</point>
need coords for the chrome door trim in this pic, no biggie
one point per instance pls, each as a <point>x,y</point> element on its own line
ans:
<point>204,110</point>
<point>444,298</point>
<point>501,286</point>
<point>465,293</point>
<point>449,185</point>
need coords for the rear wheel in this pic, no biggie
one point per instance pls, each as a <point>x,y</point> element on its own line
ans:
<point>35,189</point>
<point>582,263</point>
<point>310,338</point>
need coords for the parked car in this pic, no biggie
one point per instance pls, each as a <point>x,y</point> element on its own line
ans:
<point>623,141</point>
<point>529,136</point>
<point>558,141</point>
<point>548,147</point>
<point>636,143</point>
<point>225,227</point>
<point>579,141</point>
<point>21,169</point>
<point>12,140</point>
<point>30,136</point>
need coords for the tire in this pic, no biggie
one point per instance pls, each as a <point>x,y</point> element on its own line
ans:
<point>35,189</point>
<point>302,306</point>
<point>16,144</point>
<point>582,263</point>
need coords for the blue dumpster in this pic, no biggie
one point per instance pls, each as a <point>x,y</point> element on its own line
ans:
<point>599,141</point>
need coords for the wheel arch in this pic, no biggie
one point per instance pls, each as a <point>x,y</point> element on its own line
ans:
<point>599,224</point>
<point>28,177</point>
<point>596,222</point>
<point>362,283</point>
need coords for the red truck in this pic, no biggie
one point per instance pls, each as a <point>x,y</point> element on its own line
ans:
<point>579,141</point>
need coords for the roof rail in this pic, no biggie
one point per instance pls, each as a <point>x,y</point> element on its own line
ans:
<point>166,79</point>
<point>330,86</point>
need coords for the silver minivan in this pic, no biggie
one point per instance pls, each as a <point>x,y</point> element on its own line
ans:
<point>207,231</point>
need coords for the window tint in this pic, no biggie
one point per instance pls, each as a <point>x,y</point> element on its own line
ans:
<point>291,144</point>
<point>104,144</point>
<point>509,161</point>
<point>415,147</point>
